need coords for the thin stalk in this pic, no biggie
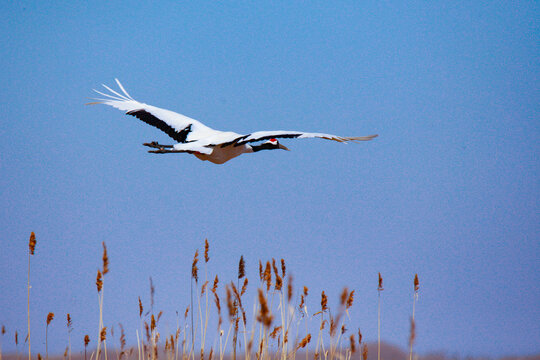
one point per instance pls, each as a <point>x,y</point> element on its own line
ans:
<point>29,349</point>
<point>379,328</point>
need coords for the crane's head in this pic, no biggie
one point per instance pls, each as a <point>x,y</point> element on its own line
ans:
<point>269,145</point>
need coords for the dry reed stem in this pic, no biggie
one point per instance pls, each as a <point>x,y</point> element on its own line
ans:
<point>412,335</point>
<point>50,317</point>
<point>86,341</point>
<point>31,248</point>
<point>379,289</point>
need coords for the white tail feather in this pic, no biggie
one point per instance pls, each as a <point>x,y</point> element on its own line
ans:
<point>122,88</point>
<point>114,92</point>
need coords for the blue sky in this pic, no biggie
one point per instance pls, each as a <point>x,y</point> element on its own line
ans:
<point>449,190</point>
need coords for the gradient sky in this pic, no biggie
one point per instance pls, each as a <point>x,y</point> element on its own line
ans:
<point>449,190</point>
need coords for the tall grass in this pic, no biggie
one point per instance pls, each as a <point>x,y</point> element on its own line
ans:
<point>276,328</point>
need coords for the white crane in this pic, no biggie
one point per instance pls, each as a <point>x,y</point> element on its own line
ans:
<point>195,138</point>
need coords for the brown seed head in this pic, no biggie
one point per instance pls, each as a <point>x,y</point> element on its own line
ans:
<point>206,249</point>
<point>380,288</point>
<point>3,329</point>
<point>122,338</point>
<point>32,243</point>
<point>186,312</point>
<point>216,281</point>
<point>99,281</point>
<point>105,259</point>
<point>359,337</point>
<point>241,267</point>
<point>231,305</point>
<point>50,318</point>
<point>350,299</point>
<point>103,334</point>
<point>211,354</point>
<point>353,344</point>
<point>244,287</point>
<point>69,321</point>
<point>39,356</point>
<point>283,268</point>
<point>274,267</point>
<point>304,341</point>
<point>203,287</point>
<point>344,296</point>
<point>261,271</point>
<point>264,317</point>
<point>416,283</point>
<point>194,268</point>
<point>268,276</point>
<point>305,291</point>
<point>140,307</point>
<point>301,306</point>
<point>333,326</point>
<point>16,338</point>
<point>289,288</point>
<point>324,302</point>
<point>66,352</point>
<point>152,323</point>
<point>279,282</point>
<point>147,330</point>
<point>364,352</point>
<point>86,340</point>
<point>275,332</point>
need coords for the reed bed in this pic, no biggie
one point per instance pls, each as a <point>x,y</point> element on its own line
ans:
<point>275,325</point>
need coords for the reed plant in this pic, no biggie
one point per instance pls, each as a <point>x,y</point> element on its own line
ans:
<point>277,329</point>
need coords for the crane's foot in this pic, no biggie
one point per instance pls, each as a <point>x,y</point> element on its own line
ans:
<point>156,145</point>
<point>166,151</point>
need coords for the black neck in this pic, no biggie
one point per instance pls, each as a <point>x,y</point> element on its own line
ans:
<point>264,146</point>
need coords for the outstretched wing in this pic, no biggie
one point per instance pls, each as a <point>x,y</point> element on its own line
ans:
<point>179,127</point>
<point>265,135</point>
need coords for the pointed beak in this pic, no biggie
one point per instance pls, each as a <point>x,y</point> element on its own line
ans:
<point>284,147</point>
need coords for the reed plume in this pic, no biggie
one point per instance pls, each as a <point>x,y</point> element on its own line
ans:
<point>206,250</point>
<point>69,328</point>
<point>241,267</point>
<point>265,316</point>
<point>352,344</point>
<point>2,332</point>
<point>306,340</point>
<point>324,302</point>
<point>99,281</point>
<point>194,268</point>
<point>412,335</point>
<point>267,276</point>
<point>50,318</point>
<point>105,259</point>
<point>31,247</point>
<point>379,289</point>
<point>86,341</point>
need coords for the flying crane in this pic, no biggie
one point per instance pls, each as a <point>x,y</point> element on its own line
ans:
<point>193,137</point>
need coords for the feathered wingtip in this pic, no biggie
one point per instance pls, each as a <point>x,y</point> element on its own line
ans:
<point>114,95</point>
<point>353,139</point>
